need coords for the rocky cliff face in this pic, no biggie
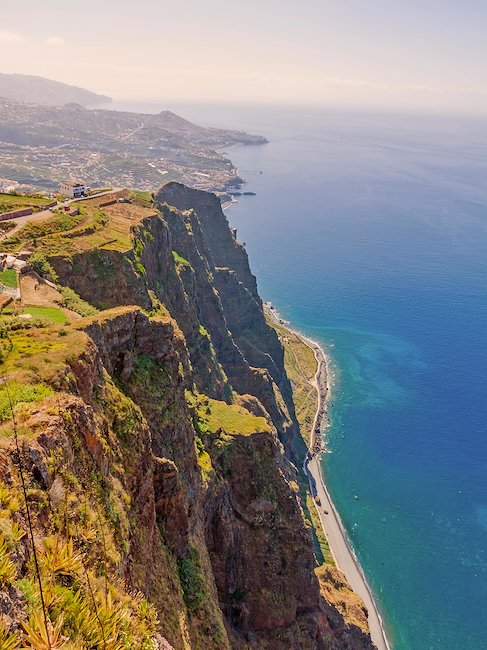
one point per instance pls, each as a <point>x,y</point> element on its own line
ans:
<point>261,557</point>
<point>182,260</point>
<point>158,447</point>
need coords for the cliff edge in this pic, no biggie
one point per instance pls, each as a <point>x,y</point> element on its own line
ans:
<point>148,493</point>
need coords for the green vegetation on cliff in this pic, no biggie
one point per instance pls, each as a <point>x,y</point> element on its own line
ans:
<point>192,580</point>
<point>301,367</point>
<point>14,393</point>
<point>77,511</point>
<point>180,261</point>
<point>162,505</point>
<point>72,301</point>
<point>214,415</point>
<point>37,230</point>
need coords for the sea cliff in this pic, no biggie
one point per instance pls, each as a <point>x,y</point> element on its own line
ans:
<point>156,436</point>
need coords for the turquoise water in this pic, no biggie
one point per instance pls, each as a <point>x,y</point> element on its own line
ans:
<point>369,233</point>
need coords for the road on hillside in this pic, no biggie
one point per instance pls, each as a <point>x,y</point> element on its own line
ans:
<point>43,214</point>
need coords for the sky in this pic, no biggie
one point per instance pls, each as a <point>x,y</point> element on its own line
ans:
<point>414,54</point>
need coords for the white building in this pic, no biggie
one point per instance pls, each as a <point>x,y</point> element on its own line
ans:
<point>73,189</point>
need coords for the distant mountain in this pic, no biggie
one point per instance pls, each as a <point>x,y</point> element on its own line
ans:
<point>38,90</point>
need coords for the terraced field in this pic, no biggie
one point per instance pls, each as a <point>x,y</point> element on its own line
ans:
<point>10,202</point>
<point>96,226</point>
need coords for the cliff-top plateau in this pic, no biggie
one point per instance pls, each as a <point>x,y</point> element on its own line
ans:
<point>150,490</point>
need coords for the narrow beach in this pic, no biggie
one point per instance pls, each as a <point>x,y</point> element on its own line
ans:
<point>340,546</point>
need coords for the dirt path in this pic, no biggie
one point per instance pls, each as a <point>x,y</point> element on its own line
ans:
<point>36,292</point>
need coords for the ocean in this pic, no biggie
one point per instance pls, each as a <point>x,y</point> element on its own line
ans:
<point>368,232</point>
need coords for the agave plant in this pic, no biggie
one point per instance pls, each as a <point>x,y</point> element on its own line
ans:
<point>93,621</point>
<point>59,557</point>
<point>147,615</point>
<point>11,532</point>
<point>81,618</point>
<point>8,641</point>
<point>16,532</point>
<point>38,636</point>
<point>8,499</point>
<point>114,617</point>
<point>8,570</point>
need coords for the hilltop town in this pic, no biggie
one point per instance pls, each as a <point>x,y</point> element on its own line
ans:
<point>42,145</point>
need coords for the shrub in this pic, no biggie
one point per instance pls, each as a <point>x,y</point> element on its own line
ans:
<point>138,248</point>
<point>42,266</point>
<point>15,323</point>
<point>139,268</point>
<point>18,393</point>
<point>191,580</point>
<point>72,301</point>
<point>180,261</point>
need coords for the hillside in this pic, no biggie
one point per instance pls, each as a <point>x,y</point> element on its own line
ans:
<point>38,90</point>
<point>41,145</point>
<point>157,436</point>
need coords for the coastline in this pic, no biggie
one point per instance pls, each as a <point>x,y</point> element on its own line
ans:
<point>340,546</point>
<point>228,204</point>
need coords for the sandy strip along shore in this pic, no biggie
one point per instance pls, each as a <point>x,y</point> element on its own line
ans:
<point>340,546</point>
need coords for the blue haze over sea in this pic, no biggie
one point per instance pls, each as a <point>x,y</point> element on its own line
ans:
<point>369,234</point>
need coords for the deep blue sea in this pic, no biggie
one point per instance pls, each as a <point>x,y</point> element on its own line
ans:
<point>369,233</point>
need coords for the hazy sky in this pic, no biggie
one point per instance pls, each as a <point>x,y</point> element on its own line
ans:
<point>401,53</point>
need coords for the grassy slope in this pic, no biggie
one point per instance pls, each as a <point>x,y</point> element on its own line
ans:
<point>337,592</point>
<point>213,415</point>
<point>31,360</point>
<point>10,202</point>
<point>233,419</point>
<point>8,277</point>
<point>49,313</point>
